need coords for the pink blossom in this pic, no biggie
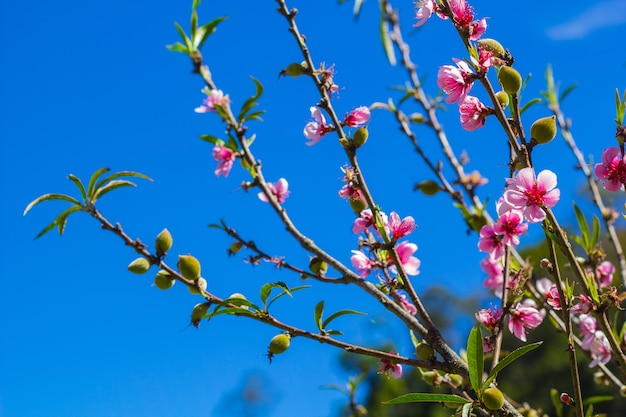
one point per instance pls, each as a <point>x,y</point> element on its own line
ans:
<point>600,349</point>
<point>529,193</point>
<point>401,228</point>
<point>522,318</point>
<point>214,98</point>
<point>510,227</point>
<point>473,113</point>
<point>407,305</point>
<point>588,327</point>
<point>280,190</point>
<point>314,130</point>
<point>494,269</point>
<point>361,263</point>
<point>366,220</point>
<point>409,262</point>
<point>605,273</point>
<point>584,306</point>
<point>389,368</point>
<point>491,242</point>
<point>477,29</point>
<point>553,298</point>
<point>357,117</point>
<point>425,9</point>
<point>489,317</point>
<point>462,13</point>
<point>225,158</point>
<point>544,285</point>
<point>612,170</point>
<point>455,81</point>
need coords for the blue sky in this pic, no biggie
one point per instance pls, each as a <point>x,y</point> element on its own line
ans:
<point>86,85</point>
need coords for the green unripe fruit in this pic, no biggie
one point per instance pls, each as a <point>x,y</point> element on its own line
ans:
<point>188,266</point>
<point>428,187</point>
<point>163,242</point>
<point>543,130</point>
<point>432,378</point>
<point>139,266</point>
<point>318,266</point>
<point>510,80</point>
<point>360,136</point>
<point>492,46</point>
<point>493,399</point>
<point>200,283</point>
<point>235,247</point>
<point>456,380</point>
<point>163,280</point>
<point>239,297</point>
<point>357,205</point>
<point>503,98</point>
<point>279,344</point>
<point>198,313</point>
<point>622,391</point>
<point>424,351</point>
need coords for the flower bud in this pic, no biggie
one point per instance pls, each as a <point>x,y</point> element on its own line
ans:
<point>200,284</point>
<point>198,313</point>
<point>510,80</point>
<point>318,266</point>
<point>139,266</point>
<point>428,187</point>
<point>360,136</point>
<point>503,98</point>
<point>424,351</point>
<point>543,130</point>
<point>163,242</point>
<point>163,280</point>
<point>188,266</point>
<point>493,399</point>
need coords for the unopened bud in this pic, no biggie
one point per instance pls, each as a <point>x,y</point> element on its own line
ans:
<point>546,264</point>
<point>510,79</point>
<point>163,242</point>
<point>543,130</point>
<point>566,398</point>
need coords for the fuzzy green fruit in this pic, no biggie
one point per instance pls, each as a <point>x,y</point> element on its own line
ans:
<point>234,248</point>
<point>424,351</point>
<point>188,266</point>
<point>198,313</point>
<point>163,242</point>
<point>239,297</point>
<point>428,187</point>
<point>510,80</point>
<point>357,205</point>
<point>493,399</point>
<point>318,266</point>
<point>279,344</point>
<point>360,136</point>
<point>200,283</point>
<point>163,280</point>
<point>492,46</point>
<point>432,378</point>
<point>456,380</point>
<point>503,98</point>
<point>139,266</point>
<point>543,130</point>
<point>295,70</point>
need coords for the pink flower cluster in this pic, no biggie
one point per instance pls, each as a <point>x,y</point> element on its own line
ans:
<point>317,128</point>
<point>225,158</point>
<point>612,170</point>
<point>279,189</point>
<point>522,317</point>
<point>594,340</point>
<point>462,16</point>
<point>397,228</point>
<point>389,368</point>
<point>214,98</point>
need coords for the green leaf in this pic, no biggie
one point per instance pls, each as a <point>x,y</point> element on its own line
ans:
<point>584,228</point>
<point>287,291</point>
<point>517,353</point>
<point>357,8</point>
<point>556,402</point>
<point>112,185</point>
<point>568,90</point>
<point>467,410</point>
<point>414,338</point>
<point>47,197</point>
<point>184,37</point>
<point>597,399</point>
<point>59,222</point>
<point>237,302</point>
<point>251,101</point>
<point>475,358</point>
<point>121,174</point>
<point>333,332</point>
<point>317,315</point>
<point>204,31</point>
<point>78,184</point>
<point>177,47</point>
<point>530,104</point>
<point>595,234</point>
<point>94,179</point>
<point>418,397</point>
<point>195,5</point>
<point>339,314</point>
<point>386,39</point>
<point>212,139</point>
<point>194,26</point>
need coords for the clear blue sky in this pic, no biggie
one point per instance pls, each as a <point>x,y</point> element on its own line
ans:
<point>86,85</point>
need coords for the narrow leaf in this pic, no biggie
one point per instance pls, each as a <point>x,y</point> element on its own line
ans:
<point>94,179</point>
<point>475,358</point>
<point>112,185</point>
<point>339,314</point>
<point>516,354</point>
<point>287,291</point>
<point>184,37</point>
<point>203,33</point>
<point>419,397</point>
<point>597,399</point>
<point>62,218</point>
<point>212,139</point>
<point>266,289</point>
<point>194,25</point>
<point>79,185</point>
<point>584,228</point>
<point>568,90</point>
<point>195,5</point>
<point>595,234</point>
<point>333,332</point>
<point>47,197</point>
<point>121,174</point>
<point>317,315</point>
<point>357,8</point>
<point>530,104</point>
<point>386,39</point>
<point>467,410</point>
<point>177,47</point>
